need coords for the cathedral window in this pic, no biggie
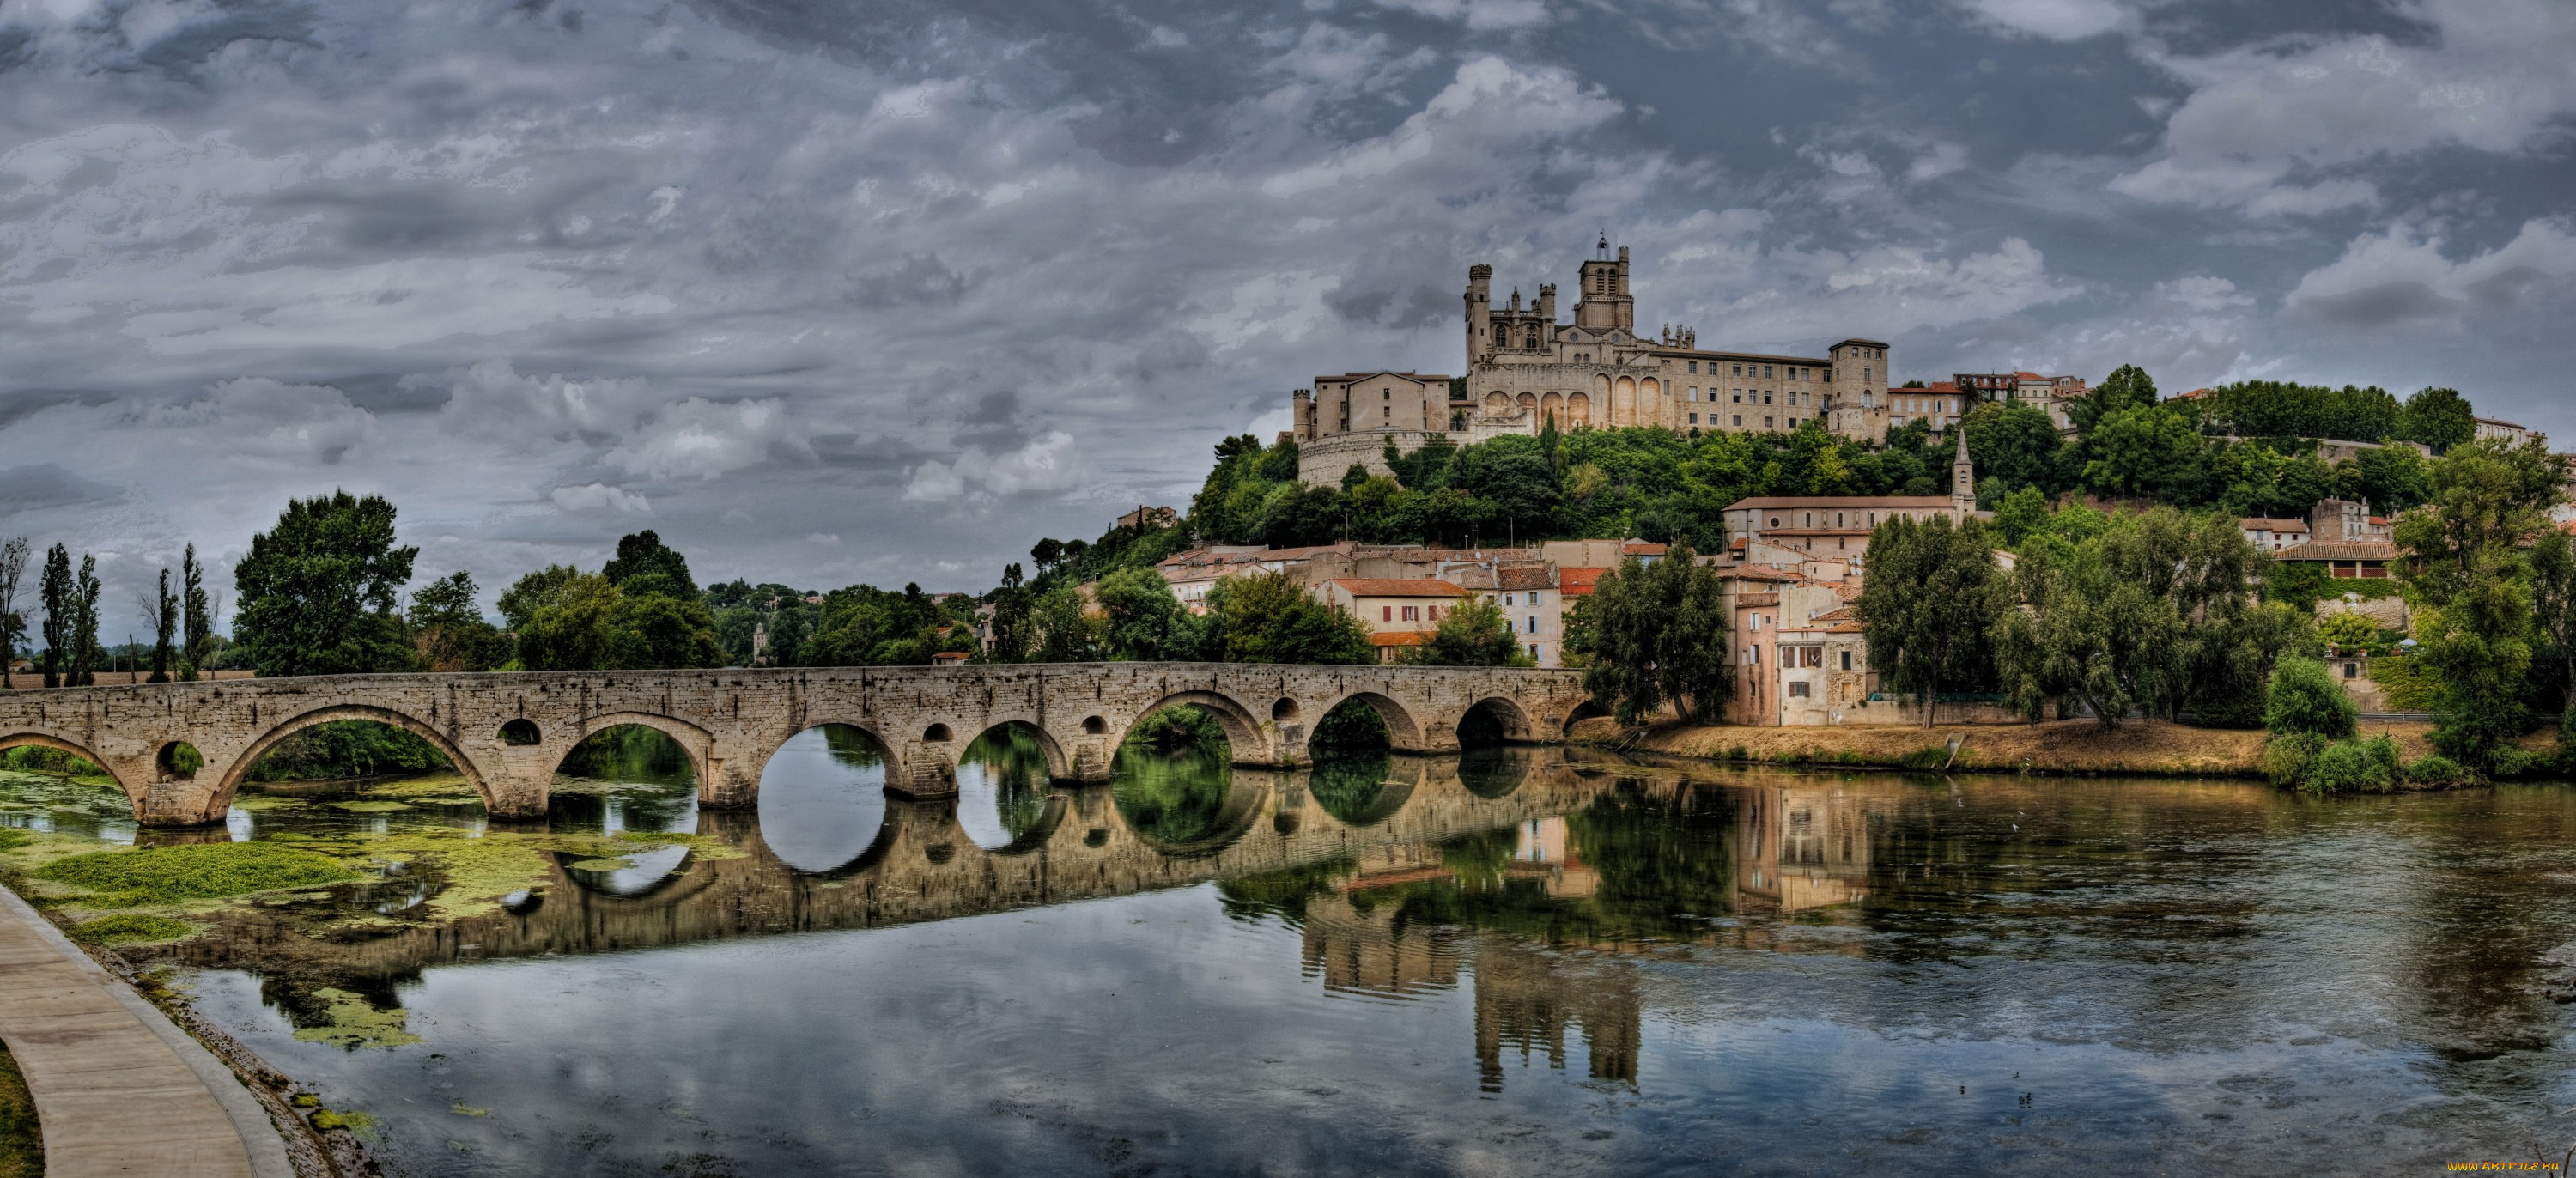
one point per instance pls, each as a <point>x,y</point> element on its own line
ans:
<point>1694,368</point>
<point>1739,369</point>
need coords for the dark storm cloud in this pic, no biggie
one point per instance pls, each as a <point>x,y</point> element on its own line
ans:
<point>43,485</point>
<point>829,290</point>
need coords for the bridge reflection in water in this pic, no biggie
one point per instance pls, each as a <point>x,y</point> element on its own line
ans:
<point>1400,874</point>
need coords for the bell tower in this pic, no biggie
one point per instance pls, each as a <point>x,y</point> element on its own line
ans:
<point>1601,300</point>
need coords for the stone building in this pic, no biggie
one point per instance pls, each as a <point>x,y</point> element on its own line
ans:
<point>1525,368</point>
<point>1838,527</point>
<point>1396,613</point>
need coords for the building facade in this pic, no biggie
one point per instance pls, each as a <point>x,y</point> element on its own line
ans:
<point>1526,369</point>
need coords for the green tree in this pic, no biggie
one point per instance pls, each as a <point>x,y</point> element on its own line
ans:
<point>448,629</point>
<point>317,592</point>
<point>165,626</point>
<point>1472,633</point>
<point>2128,387</point>
<point>196,617</point>
<point>1044,554</point>
<point>2462,556</point>
<point>2304,698</point>
<point>1270,618</point>
<point>1013,634</point>
<point>2438,417</point>
<point>85,652</point>
<point>564,619</point>
<point>1929,601</point>
<point>644,564</point>
<point>2020,513</point>
<point>1143,621</point>
<point>1657,634</point>
<point>13,625</point>
<point>2553,601</point>
<point>2150,453</point>
<point>1066,631</point>
<point>2392,478</point>
<point>54,591</point>
<point>2015,443</point>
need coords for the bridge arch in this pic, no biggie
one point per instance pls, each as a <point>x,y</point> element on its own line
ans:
<point>894,774</point>
<point>32,738</point>
<point>1402,730</point>
<point>232,778</point>
<point>1059,765</point>
<point>697,742</point>
<point>1243,730</point>
<point>1501,714</point>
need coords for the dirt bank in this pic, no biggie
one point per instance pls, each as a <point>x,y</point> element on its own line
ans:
<point>2152,747</point>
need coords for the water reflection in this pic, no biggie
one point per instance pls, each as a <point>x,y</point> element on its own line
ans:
<point>629,777</point>
<point>822,798</point>
<point>1002,787</point>
<point>1642,969</point>
<point>1177,800</point>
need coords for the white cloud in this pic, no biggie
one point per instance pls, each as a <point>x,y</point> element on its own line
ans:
<point>259,417</point>
<point>1477,14</point>
<point>492,400</point>
<point>2282,127</point>
<point>699,438</point>
<point>934,482</point>
<point>601,497</point>
<point>823,539</point>
<point>1045,464</point>
<point>2055,20</point>
<point>2397,278</point>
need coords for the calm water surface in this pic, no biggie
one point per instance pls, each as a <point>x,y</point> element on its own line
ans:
<point>1511,964</point>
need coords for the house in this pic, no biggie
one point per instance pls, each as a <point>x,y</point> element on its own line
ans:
<point>2272,535</point>
<point>2491,429</point>
<point>1531,599</point>
<point>2363,559</point>
<point>1396,612</point>
<point>1838,527</point>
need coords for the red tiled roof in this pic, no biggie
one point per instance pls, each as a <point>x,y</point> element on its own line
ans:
<point>1577,582</point>
<point>1393,587</point>
<point>1882,502</point>
<point>1399,638</point>
<point>2253,524</point>
<point>1642,548</point>
<point>2339,550</point>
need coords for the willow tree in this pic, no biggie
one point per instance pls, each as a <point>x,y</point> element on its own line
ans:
<point>1929,602</point>
<point>1657,635</point>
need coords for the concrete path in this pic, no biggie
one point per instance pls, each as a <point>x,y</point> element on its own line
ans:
<point>119,1090</point>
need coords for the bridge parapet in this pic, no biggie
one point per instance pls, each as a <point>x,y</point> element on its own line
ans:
<point>507,732</point>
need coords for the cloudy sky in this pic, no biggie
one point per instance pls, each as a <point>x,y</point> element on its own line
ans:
<point>842,290</point>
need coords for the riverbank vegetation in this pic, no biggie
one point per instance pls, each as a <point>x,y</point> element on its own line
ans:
<point>22,1142</point>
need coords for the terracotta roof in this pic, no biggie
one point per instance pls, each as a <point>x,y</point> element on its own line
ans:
<point>1527,576</point>
<point>1399,638</point>
<point>1758,572</point>
<point>1883,502</point>
<point>2339,550</point>
<point>1750,600</point>
<point>1642,548</point>
<point>1393,587</point>
<point>1578,582</point>
<point>1837,614</point>
<point>2253,524</point>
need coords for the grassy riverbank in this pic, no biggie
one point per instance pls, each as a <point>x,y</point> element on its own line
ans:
<point>2149,747</point>
<point>22,1149</point>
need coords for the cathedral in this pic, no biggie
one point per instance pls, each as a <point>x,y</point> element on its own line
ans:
<point>1525,370</point>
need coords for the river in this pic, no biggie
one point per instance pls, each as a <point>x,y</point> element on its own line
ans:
<point>1526,961</point>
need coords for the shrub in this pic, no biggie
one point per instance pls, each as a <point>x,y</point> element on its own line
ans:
<point>2286,757</point>
<point>2436,769</point>
<point>2305,698</point>
<point>2407,682</point>
<point>2354,766</point>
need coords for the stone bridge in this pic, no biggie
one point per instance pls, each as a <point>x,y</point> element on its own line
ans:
<point>507,732</point>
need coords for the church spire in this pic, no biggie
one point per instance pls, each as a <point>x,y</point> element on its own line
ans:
<point>1963,476</point>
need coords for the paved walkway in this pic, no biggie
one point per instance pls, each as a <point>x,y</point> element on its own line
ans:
<point>118,1088</point>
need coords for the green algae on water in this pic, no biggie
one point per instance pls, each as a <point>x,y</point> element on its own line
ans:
<point>370,807</point>
<point>600,864</point>
<point>353,1024</point>
<point>202,871</point>
<point>132,928</point>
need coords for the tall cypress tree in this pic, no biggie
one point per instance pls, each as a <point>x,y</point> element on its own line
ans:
<point>13,625</point>
<point>165,621</point>
<point>85,652</point>
<point>54,591</point>
<point>196,620</point>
